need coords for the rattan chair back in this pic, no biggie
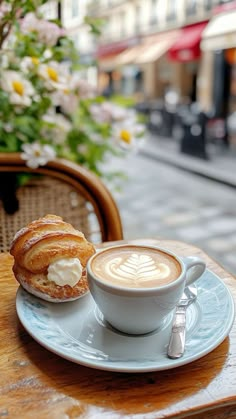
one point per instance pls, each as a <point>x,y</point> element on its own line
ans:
<point>62,188</point>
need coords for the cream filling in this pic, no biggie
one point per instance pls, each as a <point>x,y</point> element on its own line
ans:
<point>65,271</point>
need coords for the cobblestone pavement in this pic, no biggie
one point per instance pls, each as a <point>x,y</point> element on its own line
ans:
<point>165,201</point>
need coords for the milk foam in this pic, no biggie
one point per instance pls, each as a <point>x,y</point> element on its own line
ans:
<point>136,267</point>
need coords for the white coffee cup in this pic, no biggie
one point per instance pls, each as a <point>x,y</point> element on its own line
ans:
<point>141,307</point>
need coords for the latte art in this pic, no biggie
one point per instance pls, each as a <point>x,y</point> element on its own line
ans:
<point>136,267</point>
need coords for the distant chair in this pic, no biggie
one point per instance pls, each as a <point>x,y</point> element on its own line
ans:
<point>62,188</point>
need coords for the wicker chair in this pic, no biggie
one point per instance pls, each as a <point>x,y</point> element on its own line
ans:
<point>65,189</point>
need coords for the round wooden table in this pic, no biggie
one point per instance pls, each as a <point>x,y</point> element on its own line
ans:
<point>35,383</point>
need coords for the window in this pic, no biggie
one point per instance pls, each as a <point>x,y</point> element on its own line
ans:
<point>137,18</point>
<point>171,13</point>
<point>191,7</point>
<point>75,8</point>
<point>207,4</point>
<point>122,24</point>
<point>153,12</point>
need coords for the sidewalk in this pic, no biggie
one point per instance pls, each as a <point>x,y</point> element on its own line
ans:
<point>220,167</point>
<point>159,199</point>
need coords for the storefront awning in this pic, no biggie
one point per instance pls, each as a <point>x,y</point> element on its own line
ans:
<point>149,50</point>
<point>225,7</point>
<point>156,46</point>
<point>187,46</point>
<point>220,32</point>
<point>107,63</point>
<point>129,55</point>
<point>114,48</point>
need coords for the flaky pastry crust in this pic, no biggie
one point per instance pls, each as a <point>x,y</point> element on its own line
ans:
<point>39,285</point>
<point>41,243</point>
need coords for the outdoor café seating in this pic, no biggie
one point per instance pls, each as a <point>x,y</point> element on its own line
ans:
<point>61,188</point>
<point>81,379</point>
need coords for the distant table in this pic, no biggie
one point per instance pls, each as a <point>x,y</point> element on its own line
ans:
<point>35,383</point>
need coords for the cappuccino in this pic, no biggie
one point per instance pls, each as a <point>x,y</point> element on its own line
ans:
<point>136,267</point>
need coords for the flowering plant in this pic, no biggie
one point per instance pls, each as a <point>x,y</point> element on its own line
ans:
<point>46,108</point>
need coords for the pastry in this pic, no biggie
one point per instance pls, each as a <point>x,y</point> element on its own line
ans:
<point>50,258</point>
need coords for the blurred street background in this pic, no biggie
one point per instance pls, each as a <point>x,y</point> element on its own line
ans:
<point>175,62</point>
<point>168,200</point>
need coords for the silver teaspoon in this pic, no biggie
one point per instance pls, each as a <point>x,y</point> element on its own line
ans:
<point>177,339</point>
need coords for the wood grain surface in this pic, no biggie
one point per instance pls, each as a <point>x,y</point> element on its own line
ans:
<point>35,383</point>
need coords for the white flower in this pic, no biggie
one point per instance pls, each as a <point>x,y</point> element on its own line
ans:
<point>47,54</point>
<point>55,75</point>
<point>117,112</point>
<point>29,63</point>
<point>58,127</point>
<point>29,23</point>
<point>48,32</point>
<point>123,136</point>
<point>81,87</point>
<point>99,114</point>
<point>127,134</point>
<point>20,90</point>
<point>102,113</point>
<point>37,154</point>
<point>67,101</point>
<point>110,112</point>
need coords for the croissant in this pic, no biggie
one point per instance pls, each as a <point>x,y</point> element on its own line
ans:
<point>50,258</point>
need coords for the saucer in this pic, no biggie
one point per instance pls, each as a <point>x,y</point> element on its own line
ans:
<point>78,332</point>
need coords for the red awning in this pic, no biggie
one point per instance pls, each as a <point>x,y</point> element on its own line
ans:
<point>115,47</point>
<point>187,46</point>
<point>226,7</point>
<point>110,49</point>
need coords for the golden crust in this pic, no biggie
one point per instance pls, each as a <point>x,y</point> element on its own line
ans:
<point>41,243</point>
<point>38,252</point>
<point>38,284</point>
<point>37,228</point>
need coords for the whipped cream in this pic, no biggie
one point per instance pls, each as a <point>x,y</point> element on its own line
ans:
<point>65,271</point>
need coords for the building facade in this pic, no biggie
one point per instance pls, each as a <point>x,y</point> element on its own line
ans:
<point>72,14</point>
<point>219,49</point>
<point>150,46</point>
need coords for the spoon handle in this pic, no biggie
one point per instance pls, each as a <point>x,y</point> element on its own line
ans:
<point>177,340</point>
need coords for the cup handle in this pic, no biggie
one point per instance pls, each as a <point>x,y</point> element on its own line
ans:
<point>195,267</point>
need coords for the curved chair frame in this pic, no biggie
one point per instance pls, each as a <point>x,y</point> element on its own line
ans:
<point>84,181</point>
